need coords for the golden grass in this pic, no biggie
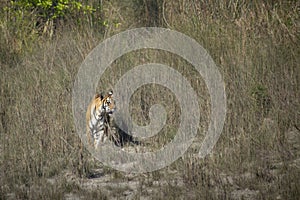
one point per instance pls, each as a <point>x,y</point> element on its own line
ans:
<point>256,48</point>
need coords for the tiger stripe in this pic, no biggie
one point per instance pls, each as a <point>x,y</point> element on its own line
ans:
<point>98,117</point>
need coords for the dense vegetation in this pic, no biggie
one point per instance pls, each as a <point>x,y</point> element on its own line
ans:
<point>255,45</point>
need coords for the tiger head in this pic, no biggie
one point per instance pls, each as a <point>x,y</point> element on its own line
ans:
<point>108,103</point>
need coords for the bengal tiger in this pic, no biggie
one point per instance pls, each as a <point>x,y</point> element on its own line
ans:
<point>98,117</point>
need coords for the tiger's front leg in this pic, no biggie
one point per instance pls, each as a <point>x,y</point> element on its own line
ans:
<point>99,137</point>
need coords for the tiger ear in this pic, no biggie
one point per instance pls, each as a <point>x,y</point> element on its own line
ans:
<point>99,96</point>
<point>110,93</point>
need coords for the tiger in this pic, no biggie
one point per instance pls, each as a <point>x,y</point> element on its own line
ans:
<point>98,118</point>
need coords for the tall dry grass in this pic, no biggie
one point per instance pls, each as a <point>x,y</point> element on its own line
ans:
<point>255,46</point>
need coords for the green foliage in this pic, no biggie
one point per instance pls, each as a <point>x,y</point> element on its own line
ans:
<point>50,9</point>
<point>26,18</point>
<point>22,22</point>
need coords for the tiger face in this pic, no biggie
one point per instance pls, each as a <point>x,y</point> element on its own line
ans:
<point>108,103</point>
<point>98,117</point>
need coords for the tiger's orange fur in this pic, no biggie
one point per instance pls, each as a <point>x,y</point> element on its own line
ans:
<point>98,117</point>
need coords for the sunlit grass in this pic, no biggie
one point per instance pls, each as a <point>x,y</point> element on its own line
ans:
<point>256,48</point>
